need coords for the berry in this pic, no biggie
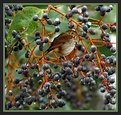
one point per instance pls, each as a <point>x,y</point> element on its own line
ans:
<point>71,25</point>
<point>9,13</point>
<point>15,48</point>
<point>93,48</point>
<point>17,97</point>
<point>61,104</point>
<point>45,15</point>
<point>113,101</point>
<point>88,24</point>
<point>47,57</point>
<point>18,37</point>
<point>79,46</point>
<point>56,22</point>
<point>74,11</point>
<point>16,7</point>
<point>107,39</point>
<point>85,20</point>
<point>101,77</point>
<point>46,66</point>
<point>113,28</point>
<point>14,33</point>
<point>9,105</point>
<point>82,48</point>
<point>84,8</point>
<point>41,47</point>
<point>10,93</point>
<point>58,85</point>
<point>70,14</point>
<point>47,84</point>
<point>35,17</point>
<point>49,21</point>
<point>92,56</point>
<point>57,29</point>
<point>111,7</point>
<point>56,77</point>
<point>7,21</point>
<point>68,71</point>
<point>112,91</point>
<point>20,46</point>
<point>27,54</point>
<point>97,8</point>
<point>45,39</point>
<point>86,56</point>
<point>24,66</point>
<point>34,74</point>
<point>97,70</point>
<point>107,96</point>
<point>106,101</point>
<point>80,18</point>
<point>103,9</point>
<point>79,68</point>
<point>20,7</point>
<point>91,31</point>
<point>38,42</point>
<point>40,82</point>
<point>112,80</point>
<point>6,8</point>
<point>84,34</point>
<point>37,34</point>
<point>16,81</point>
<point>86,14</point>
<point>113,49</point>
<point>104,26</point>
<point>41,74</point>
<point>55,66</point>
<point>65,64</point>
<point>85,28</point>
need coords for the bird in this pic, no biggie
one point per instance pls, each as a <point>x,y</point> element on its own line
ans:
<point>64,43</point>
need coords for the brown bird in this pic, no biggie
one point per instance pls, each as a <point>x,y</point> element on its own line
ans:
<point>64,43</point>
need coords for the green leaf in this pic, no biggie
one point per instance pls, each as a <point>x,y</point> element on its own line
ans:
<point>38,6</point>
<point>23,23</point>
<point>104,50</point>
<point>93,20</point>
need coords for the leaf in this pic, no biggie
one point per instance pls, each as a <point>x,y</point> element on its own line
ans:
<point>104,50</point>
<point>23,21</point>
<point>93,20</point>
<point>38,6</point>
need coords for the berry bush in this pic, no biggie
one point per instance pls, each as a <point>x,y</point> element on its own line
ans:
<point>60,57</point>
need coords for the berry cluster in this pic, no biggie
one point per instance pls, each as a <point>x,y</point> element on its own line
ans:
<point>10,12</point>
<point>49,80</point>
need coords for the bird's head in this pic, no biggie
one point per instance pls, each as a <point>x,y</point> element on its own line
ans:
<point>73,33</point>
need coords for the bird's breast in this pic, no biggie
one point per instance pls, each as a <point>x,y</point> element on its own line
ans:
<point>68,47</point>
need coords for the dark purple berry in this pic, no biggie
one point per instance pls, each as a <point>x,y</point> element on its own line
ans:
<point>35,18</point>
<point>45,39</point>
<point>84,8</point>
<point>38,42</point>
<point>45,15</point>
<point>104,26</point>
<point>93,48</point>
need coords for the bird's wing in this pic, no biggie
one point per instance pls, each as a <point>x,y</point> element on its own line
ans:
<point>59,40</point>
<point>62,38</point>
